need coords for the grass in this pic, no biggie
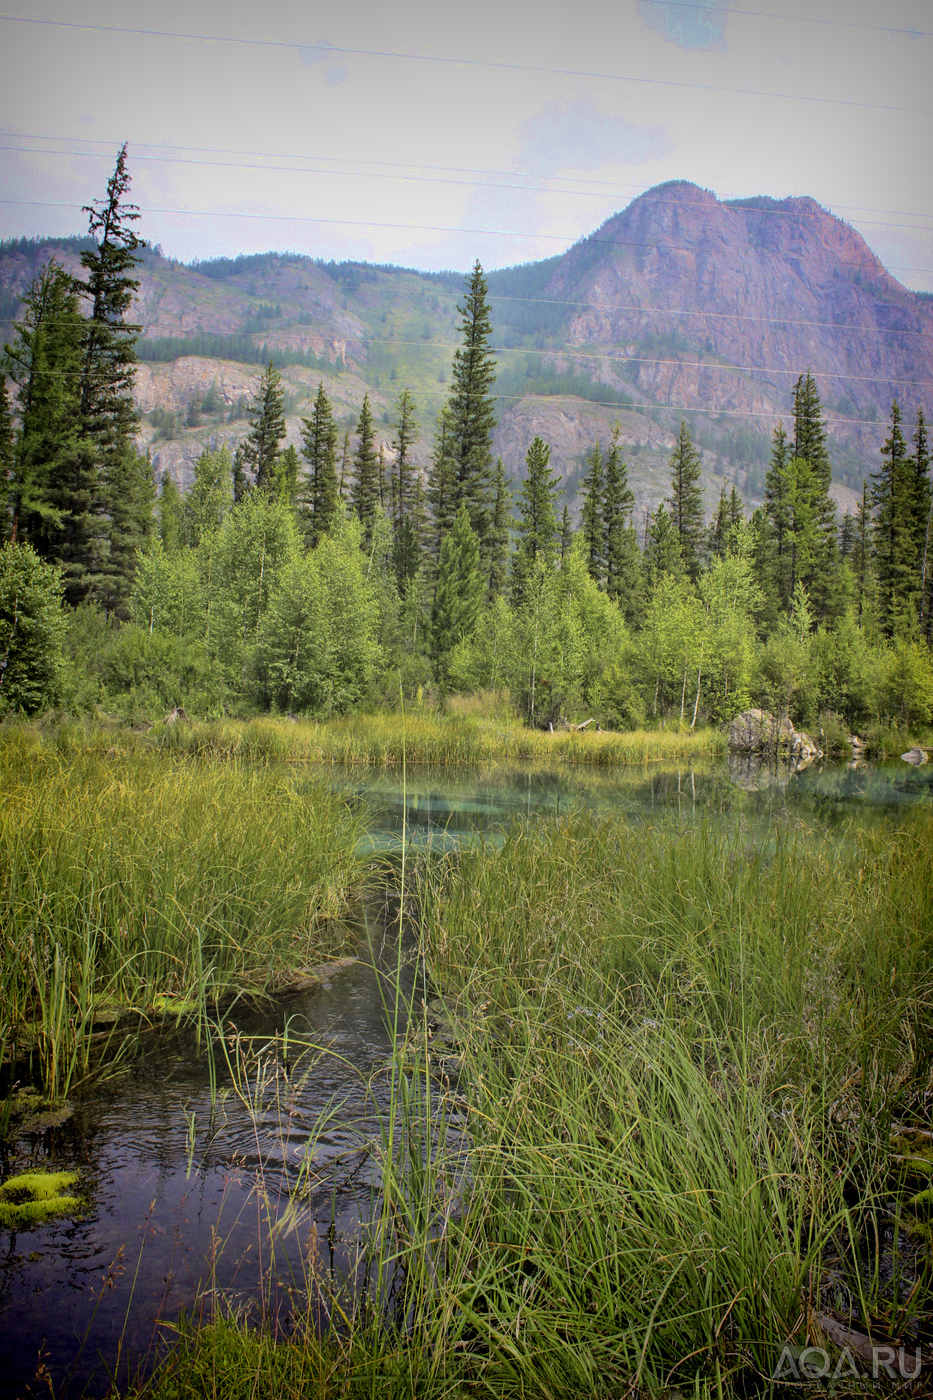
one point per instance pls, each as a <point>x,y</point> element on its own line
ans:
<point>128,875</point>
<point>668,1136</point>
<point>447,741</point>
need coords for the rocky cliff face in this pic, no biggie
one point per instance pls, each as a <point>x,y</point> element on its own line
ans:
<point>736,301</point>
<point>679,306</point>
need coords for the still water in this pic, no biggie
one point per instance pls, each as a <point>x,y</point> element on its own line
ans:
<point>186,1158</point>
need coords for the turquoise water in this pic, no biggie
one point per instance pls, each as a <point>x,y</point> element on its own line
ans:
<point>438,810</point>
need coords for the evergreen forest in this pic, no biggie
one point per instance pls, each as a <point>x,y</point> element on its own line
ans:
<point>343,577</point>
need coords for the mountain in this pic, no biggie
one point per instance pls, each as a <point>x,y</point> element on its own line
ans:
<point>679,306</point>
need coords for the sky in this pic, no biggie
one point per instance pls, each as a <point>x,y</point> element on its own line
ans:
<point>431,135</point>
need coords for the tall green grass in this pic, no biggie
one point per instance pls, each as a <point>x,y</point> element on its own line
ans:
<point>659,1145</point>
<point>444,740</point>
<point>128,876</point>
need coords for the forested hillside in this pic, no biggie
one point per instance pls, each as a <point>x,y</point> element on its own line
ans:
<point>366,540</point>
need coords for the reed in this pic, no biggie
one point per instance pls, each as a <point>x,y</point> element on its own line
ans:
<point>129,877</point>
<point>662,1150</point>
<point>449,741</point>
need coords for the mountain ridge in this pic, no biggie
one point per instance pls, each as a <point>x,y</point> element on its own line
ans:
<point>678,305</point>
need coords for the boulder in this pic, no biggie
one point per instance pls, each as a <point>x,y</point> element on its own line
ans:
<point>915,756</point>
<point>757,731</point>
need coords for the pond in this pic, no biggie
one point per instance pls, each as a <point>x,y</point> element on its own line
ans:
<point>185,1157</point>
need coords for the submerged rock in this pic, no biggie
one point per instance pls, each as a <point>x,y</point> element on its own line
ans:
<point>915,756</point>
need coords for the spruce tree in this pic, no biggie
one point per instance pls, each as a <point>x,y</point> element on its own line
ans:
<point>472,409</point>
<point>593,516</point>
<point>318,496</point>
<point>923,520</point>
<point>105,466</point>
<point>861,551</point>
<point>499,533</point>
<point>566,533</point>
<point>819,574</point>
<point>266,430</point>
<point>364,491</point>
<point>48,456</point>
<point>407,493</point>
<point>777,580</point>
<point>442,483</point>
<point>537,518</point>
<point>686,501</point>
<point>460,591</point>
<point>662,552</point>
<point>894,534</point>
<point>620,545</point>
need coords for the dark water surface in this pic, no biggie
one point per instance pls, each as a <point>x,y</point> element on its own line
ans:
<point>183,1178</point>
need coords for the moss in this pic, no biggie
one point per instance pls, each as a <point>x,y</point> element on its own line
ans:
<point>28,1200</point>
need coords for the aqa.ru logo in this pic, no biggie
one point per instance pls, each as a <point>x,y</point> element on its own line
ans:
<point>815,1364</point>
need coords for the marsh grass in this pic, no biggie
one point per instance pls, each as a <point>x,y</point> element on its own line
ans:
<point>130,878</point>
<point>658,1147</point>
<point>449,741</point>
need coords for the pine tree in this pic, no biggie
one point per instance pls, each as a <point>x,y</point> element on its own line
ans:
<point>364,491</point>
<point>537,518</point>
<point>266,430</point>
<point>593,516</point>
<point>460,591</point>
<point>318,496</point>
<point>472,409</point>
<point>499,534</point>
<point>686,501</point>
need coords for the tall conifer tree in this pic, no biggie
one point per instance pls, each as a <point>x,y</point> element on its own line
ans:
<point>267,429</point>
<point>537,518</point>
<point>895,534</point>
<point>686,501</point>
<point>364,491</point>
<point>472,409</point>
<point>318,497</point>
<point>593,516</point>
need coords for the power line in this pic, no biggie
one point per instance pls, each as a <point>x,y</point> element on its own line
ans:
<point>605,190</point>
<point>414,228</point>
<point>641,192</point>
<point>503,65</point>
